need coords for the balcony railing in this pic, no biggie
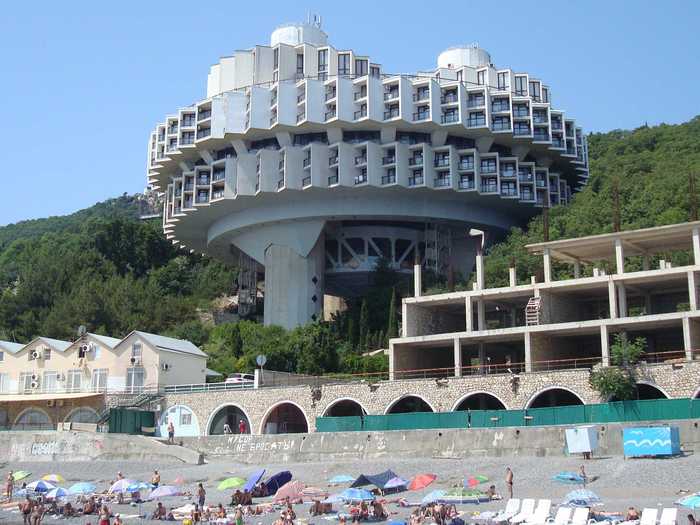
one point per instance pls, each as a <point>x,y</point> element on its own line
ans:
<point>556,125</point>
<point>202,199</point>
<point>186,141</point>
<point>306,162</point>
<point>330,95</point>
<point>416,180</point>
<point>189,186</point>
<point>448,118</point>
<point>557,143</point>
<point>442,162</point>
<point>421,115</point>
<point>360,179</point>
<point>188,122</point>
<point>498,108</point>
<point>330,114</point>
<point>203,181</point>
<point>509,192</point>
<point>201,133</point>
<point>466,166</point>
<point>450,98</point>
<point>466,184</point>
<point>421,96</point>
<point>389,179</point>
<point>526,195</point>
<point>332,180</point>
<point>218,175</point>
<point>476,102</point>
<point>541,137</point>
<point>489,188</point>
<point>391,95</point>
<point>416,160</point>
<point>305,182</point>
<point>280,184</point>
<point>501,126</point>
<point>442,182</point>
<point>392,113</point>
<point>521,131</point>
<point>360,159</point>
<point>218,194</point>
<point>203,114</point>
<point>391,159</point>
<point>508,174</point>
<point>301,97</point>
<point>301,116</point>
<point>359,95</point>
<point>476,122</point>
<point>332,161</point>
<point>360,114</point>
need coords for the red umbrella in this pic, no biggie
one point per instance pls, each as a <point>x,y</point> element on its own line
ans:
<point>421,481</point>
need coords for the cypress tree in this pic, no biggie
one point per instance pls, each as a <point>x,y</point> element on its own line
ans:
<point>392,326</point>
<point>364,326</point>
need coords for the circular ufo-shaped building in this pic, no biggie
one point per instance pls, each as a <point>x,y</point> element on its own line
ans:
<point>313,163</point>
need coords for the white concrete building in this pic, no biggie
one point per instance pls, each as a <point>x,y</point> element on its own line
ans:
<point>315,162</point>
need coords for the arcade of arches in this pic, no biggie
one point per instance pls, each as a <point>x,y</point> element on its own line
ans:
<point>409,404</point>
<point>227,420</point>
<point>345,408</point>
<point>285,418</point>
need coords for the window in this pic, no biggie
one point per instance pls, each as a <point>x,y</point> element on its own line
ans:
<point>33,418</point>
<point>46,353</point>
<point>361,67</point>
<point>481,77</point>
<point>520,86</point>
<point>185,417</point>
<point>135,377</point>
<point>50,383</point>
<point>136,350</point>
<point>488,165</point>
<point>323,64</point>
<point>343,64</point>
<point>4,382</point>
<point>74,380</point>
<point>2,356</point>
<point>374,71</point>
<point>545,94</point>
<point>535,90</point>
<point>300,64</point>
<point>25,381</point>
<point>82,415</point>
<point>98,382</point>
<point>502,80</point>
<point>276,58</point>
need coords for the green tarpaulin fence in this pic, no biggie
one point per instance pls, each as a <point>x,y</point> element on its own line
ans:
<point>621,411</point>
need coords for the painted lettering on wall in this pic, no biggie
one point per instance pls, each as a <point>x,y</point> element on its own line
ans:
<point>45,448</point>
<point>243,444</point>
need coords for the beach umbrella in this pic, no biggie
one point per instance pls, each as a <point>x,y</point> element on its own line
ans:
<point>357,495</point>
<point>691,502</point>
<point>20,475</point>
<point>433,496</point>
<point>395,483</point>
<point>165,491</point>
<point>40,486</point>
<point>138,486</point>
<point>58,492</point>
<point>581,498</point>
<point>231,483</point>
<point>473,481</point>
<point>292,490</point>
<point>53,478</point>
<point>254,479</point>
<point>421,481</point>
<point>334,498</point>
<point>340,478</point>
<point>82,488</point>
<point>121,486</point>
<point>568,477</point>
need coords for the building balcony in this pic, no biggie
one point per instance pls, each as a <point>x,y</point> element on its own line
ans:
<point>392,113</point>
<point>203,181</point>
<point>476,123</point>
<point>500,108</point>
<point>280,184</point>
<point>202,133</point>
<point>449,118</point>
<point>391,95</point>
<point>476,102</point>
<point>442,182</point>
<point>306,182</point>
<point>421,115</point>
<point>301,116</point>
<point>441,162</point>
<point>330,95</point>
<point>332,161</point>
<point>186,141</point>
<point>330,114</point>
<point>301,97</point>
<point>489,187</point>
<point>202,199</point>
<point>466,165</point>
<point>389,179</point>
<point>416,160</point>
<point>541,137</point>
<point>421,96</point>
<point>508,174</point>
<point>558,143</point>
<point>360,179</point>
<point>360,114</point>
<point>450,98</point>
<point>415,180</point>
<point>332,180</point>
<point>189,186</point>
<point>507,191</point>
<point>359,95</point>
<point>306,162</point>
<point>219,194</point>
<point>360,160</point>
<point>466,184</point>
<point>521,131</point>
<point>556,125</point>
<point>218,175</point>
<point>391,159</point>
<point>187,122</point>
<point>204,114</point>
<point>526,194</point>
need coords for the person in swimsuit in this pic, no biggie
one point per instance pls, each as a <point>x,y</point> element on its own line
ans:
<point>104,515</point>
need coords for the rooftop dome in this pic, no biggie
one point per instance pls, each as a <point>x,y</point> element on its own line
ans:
<point>458,56</point>
<point>299,33</point>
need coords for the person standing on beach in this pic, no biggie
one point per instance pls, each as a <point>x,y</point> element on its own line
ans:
<point>509,482</point>
<point>584,477</point>
<point>242,428</point>
<point>155,480</point>
<point>10,485</point>
<point>171,432</point>
<point>201,495</point>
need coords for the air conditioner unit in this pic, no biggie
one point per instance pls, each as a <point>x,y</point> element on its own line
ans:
<point>60,377</point>
<point>91,347</point>
<point>34,377</point>
<point>165,367</point>
<point>50,403</point>
<point>135,361</point>
<point>36,354</point>
<point>35,385</point>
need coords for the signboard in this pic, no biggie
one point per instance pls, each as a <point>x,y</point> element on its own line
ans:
<point>581,439</point>
<point>651,441</point>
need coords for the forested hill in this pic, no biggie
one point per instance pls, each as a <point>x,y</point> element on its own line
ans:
<point>651,168</point>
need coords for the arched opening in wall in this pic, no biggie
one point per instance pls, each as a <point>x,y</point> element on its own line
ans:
<point>644,391</point>
<point>555,397</point>
<point>285,418</point>
<point>480,401</point>
<point>409,404</point>
<point>33,419</point>
<point>82,415</point>
<point>697,394</point>
<point>227,420</point>
<point>345,408</point>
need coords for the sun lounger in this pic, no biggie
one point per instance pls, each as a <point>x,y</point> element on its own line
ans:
<point>526,511</point>
<point>580,516</point>
<point>649,517</point>
<point>541,514</point>
<point>668,516</point>
<point>562,517</point>
<point>511,510</point>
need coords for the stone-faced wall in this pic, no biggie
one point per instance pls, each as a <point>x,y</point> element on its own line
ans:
<point>56,410</point>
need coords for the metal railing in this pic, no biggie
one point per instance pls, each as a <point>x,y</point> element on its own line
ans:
<point>392,113</point>
<point>391,95</point>
<point>306,181</point>
<point>388,179</point>
<point>204,114</point>
<point>421,115</point>
<point>332,179</point>
<point>388,160</point>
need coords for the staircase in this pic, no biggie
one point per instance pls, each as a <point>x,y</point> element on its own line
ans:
<point>532,311</point>
<point>145,398</point>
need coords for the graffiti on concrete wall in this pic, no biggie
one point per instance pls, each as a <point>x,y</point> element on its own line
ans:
<point>246,443</point>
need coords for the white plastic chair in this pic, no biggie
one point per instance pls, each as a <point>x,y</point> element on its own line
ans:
<point>649,517</point>
<point>580,516</point>
<point>669,516</point>
<point>562,517</point>
<point>511,510</point>
<point>526,511</point>
<point>541,514</point>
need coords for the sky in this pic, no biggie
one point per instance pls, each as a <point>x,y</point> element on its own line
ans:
<point>84,83</point>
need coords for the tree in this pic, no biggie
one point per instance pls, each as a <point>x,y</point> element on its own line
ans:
<point>619,380</point>
<point>364,326</point>
<point>392,326</point>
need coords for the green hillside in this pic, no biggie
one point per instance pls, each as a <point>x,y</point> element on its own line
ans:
<point>103,268</point>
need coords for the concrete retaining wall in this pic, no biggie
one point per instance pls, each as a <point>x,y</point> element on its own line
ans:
<point>87,446</point>
<point>448,443</point>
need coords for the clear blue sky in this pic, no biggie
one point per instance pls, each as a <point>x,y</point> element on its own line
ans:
<point>83,83</point>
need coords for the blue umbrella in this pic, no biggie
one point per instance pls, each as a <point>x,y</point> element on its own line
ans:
<point>335,498</point>
<point>568,477</point>
<point>40,486</point>
<point>433,496</point>
<point>691,502</point>
<point>82,488</point>
<point>58,492</point>
<point>356,495</point>
<point>581,498</point>
<point>341,478</point>
<point>254,479</point>
<point>138,486</point>
<point>395,482</point>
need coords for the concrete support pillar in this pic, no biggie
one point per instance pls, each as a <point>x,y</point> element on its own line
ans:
<point>469,314</point>
<point>647,303</point>
<point>622,300</point>
<point>528,352</point>
<point>481,314</point>
<point>392,360</point>
<point>619,256</point>
<point>482,357</point>
<point>687,339</point>
<point>480,278</point>
<point>604,345</point>
<point>577,269</point>
<point>645,262</point>
<point>692,291</point>
<point>696,245</point>
<point>547,258</point>
<point>612,299</point>
<point>458,357</point>
<point>512,277</point>
<point>417,280</point>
